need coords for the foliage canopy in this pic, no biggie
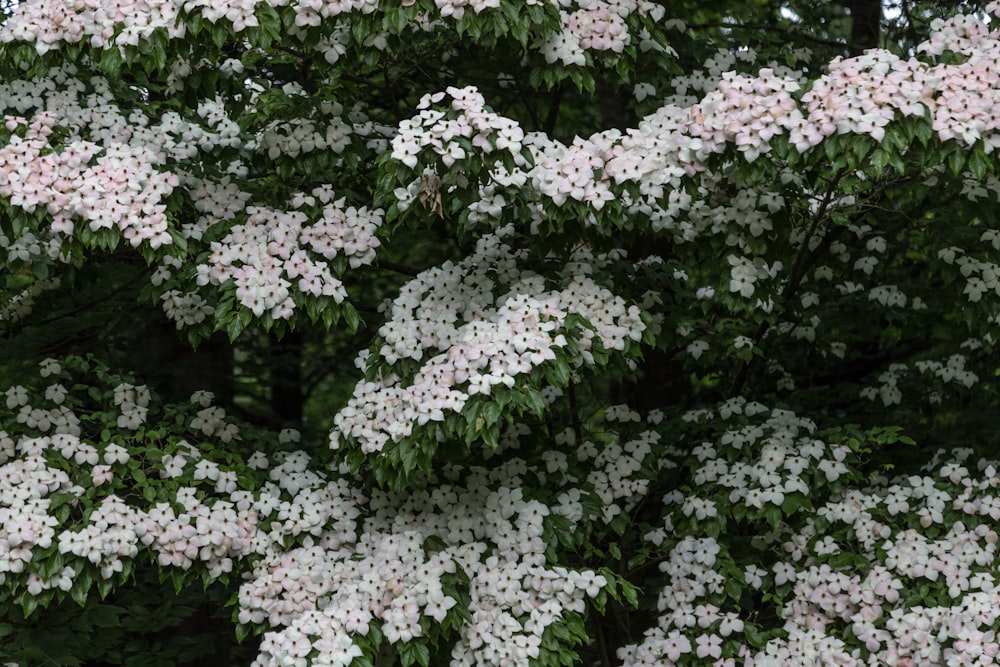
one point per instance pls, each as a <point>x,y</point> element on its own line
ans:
<point>499,332</point>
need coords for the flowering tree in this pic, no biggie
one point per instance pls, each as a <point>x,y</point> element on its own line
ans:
<point>648,396</point>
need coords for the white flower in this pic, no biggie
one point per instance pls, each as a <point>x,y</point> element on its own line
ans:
<point>783,573</point>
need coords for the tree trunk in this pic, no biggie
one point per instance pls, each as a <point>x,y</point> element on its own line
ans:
<point>287,397</point>
<point>866,24</point>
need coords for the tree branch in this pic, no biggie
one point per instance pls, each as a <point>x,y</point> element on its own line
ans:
<point>90,304</point>
<point>763,27</point>
<point>399,268</point>
<point>803,259</point>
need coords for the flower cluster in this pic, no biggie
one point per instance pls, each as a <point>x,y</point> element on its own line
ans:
<point>210,534</point>
<point>860,96</point>
<point>981,277</point>
<point>745,273</point>
<point>747,112</point>
<point>615,475</point>
<point>301,136</point>
<point>595,26</point>
<point>47,25</point>
<point>25,484</point>
<point>81,160</point>
<point>22,303</point>
<point>133,403</point>
<point>55,419</point>
<point>93,168</point>
<point>211,127</point>
<point>950,372</point>
<point>98,535</point>
<point>568,172</point>
<point>327,593</point>
<point>850,575</point>
<point>476,340</point>
<point>602,27</point>
<point>263,255</point>
<point>328,561</point>
<point>112,533</point>
<point>450,136</point>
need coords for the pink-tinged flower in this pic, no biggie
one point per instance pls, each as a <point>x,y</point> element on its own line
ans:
<point>708,646</point>
<point>675,646</point>
<point>783,573</point>
<point>102,474</point>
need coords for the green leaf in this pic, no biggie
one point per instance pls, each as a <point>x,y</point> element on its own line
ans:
<point>104,587</point>
<point>753,635</point>
<point>351,316</point>
<point>375,635</point>
<point>773,516</point>
<point>491,412</point>
<point>559,372</point>
<point>923,131</point>
<point>193,23</point>
<point>630,593</point>
<point>491,435</point>
<point>234,329</point>
<point>734,589</point>
<point>793,502</point>
<point>979,164</point>
<point>414,653</point>
<point>532,399</point>
<point>956,161</point>
<point>105,615</point>
<point>80,590</point>
<point>111,62</point>
<point>29,603</point>
<point>879,159</point>
<point>638,559</point>
<point>177,578</point>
